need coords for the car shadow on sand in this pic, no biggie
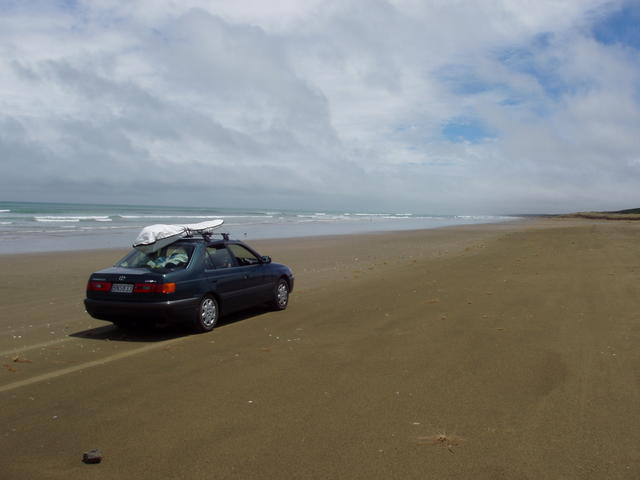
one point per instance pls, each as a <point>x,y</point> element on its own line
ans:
<point>159,333</point>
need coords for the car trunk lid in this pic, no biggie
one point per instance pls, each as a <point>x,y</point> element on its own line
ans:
<point>124,284</point>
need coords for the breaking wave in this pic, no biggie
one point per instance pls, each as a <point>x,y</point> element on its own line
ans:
<point>54,219</point>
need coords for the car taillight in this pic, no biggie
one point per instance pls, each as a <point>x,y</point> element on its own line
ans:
<point>98,286</point>
<point>144,288</point>
<point>154,288</point>
<point>166,287</point>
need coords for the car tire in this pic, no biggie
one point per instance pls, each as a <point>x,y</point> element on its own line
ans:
<point>206,315</point>
<point>280,295</point>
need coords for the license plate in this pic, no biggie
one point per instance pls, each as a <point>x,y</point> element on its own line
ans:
<point>122,288</point>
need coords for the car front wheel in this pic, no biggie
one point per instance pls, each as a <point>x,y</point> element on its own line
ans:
<point>281,295</point>
<point>207,314</point>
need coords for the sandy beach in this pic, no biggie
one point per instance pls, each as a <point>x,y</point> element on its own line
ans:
<point>488,351</point>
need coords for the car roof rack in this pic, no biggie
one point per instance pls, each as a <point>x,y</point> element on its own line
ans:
<point>207,235</point>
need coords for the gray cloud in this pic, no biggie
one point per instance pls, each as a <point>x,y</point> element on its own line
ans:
<point>319,105</point>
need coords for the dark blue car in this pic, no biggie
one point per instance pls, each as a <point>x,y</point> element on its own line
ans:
<point>192,280</point>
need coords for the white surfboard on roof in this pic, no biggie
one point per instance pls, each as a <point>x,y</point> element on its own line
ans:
<point>154,237</point>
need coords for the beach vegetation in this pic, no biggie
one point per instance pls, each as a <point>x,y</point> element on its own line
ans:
<point>632,214</point>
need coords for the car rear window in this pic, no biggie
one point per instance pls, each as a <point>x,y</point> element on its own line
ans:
<point>171,257</point>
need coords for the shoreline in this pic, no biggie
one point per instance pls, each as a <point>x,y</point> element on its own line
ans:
<point>269,240</point>
<point>87,231</point>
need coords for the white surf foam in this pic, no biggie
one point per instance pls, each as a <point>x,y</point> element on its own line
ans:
<point>70,219</point>
<point>206,217</point>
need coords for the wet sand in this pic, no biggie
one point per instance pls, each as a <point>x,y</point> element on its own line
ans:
<point>486,351</point>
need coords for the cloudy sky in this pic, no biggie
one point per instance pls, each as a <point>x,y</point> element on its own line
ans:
<point>426,106</point>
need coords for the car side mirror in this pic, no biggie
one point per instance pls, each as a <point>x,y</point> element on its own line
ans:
<point>266,259</point>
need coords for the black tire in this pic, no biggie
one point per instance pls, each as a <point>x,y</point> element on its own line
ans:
<point>280,295</point>
<point>206,315</point>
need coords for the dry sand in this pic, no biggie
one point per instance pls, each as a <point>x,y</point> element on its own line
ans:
<point>489,351</point>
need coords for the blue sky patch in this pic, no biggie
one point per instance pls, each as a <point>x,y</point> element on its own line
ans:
<point>69,4</point>
<point>544,69</point>
<point>620,27</point>
<point>462,130</point>
<point>461,80</point>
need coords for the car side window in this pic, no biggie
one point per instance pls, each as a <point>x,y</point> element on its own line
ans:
<point>243,256</point>
<point>218,257</point>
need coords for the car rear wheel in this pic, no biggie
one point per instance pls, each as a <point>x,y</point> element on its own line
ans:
<point>207,314</point>
<point>281,295</point>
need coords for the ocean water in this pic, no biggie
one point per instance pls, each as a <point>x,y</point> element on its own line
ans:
<point>43,227</point>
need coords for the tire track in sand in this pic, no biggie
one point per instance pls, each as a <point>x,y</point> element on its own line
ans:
<point>86,365</point>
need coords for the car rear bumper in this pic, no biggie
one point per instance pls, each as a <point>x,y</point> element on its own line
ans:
<point>171,310</point>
